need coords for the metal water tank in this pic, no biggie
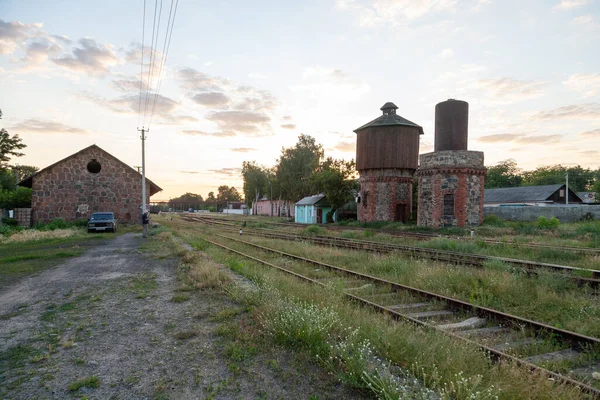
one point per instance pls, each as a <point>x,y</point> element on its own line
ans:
<point>451,125</point>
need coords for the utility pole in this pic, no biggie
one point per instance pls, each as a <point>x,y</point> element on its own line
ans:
<point>16,168</point>
<point>567,191</point>
<point>143,170</point>
<point>271,186</point>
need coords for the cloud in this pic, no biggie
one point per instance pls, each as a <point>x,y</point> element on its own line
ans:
<point>322,87</point>
<point>227,171</point>
<point>193,80</point>
<point>446,53</point>
<point>246,122</point>
<point>287,118</point>
<point>129,104</point>
<point>47,127</point>
<point>38,52</point>
<point>570,4</point>
<point>511,90</point>
<point>189,172</point>
<point>519,138</point>
<point>393,11</point>
<point>125,85</point>
<point>242,150</point>
<point>588,22</point>
<point>288,126</point>
<point>499,138</point>
<point>595,133</point>
<point>257,76</point>
<point>345,147</point>
<point>15,34</point>
<point>192,132</point>
<point>576,111</point>
<point>586,84</point>
<point>91,57</point>
<point>175,119</point>
<point>212,99</point>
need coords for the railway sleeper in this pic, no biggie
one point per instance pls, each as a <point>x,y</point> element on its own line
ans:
<point>469,323</point>
<point>431,314</point>
<point>590,372</point>
<point>555,356</point>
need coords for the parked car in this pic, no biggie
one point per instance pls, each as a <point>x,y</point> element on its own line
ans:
<point>102,221</point>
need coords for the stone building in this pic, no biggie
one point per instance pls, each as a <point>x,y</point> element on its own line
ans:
<point>387,155</point>
<point>88,181</point>
<point>451,179</point>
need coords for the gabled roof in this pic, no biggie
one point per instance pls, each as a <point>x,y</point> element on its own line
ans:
<point>389,118</point>
<point>312,200</point>
<point>28,182</point>
<point>522,194</point>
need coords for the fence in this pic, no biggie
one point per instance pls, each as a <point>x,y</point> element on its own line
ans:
<point>532,213</point>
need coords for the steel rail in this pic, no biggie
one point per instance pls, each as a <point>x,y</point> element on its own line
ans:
<point>493,353</point>
<point>427,236</point>
<point>439,255</point>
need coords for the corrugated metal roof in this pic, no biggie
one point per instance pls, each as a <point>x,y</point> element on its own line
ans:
<point>312,200</point>
<point>520,194</point>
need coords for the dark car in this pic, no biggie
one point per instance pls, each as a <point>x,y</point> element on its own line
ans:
<point>102,221</point>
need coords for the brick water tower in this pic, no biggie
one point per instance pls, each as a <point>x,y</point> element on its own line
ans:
<point>387,155</point>
<point>451,179</point>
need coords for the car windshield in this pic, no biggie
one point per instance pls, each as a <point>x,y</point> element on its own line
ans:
<point>102,216</point>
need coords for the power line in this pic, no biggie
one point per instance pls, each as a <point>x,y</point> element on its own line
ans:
<point>170,23</point>
<point>152,56</point>
<point>142,63</point>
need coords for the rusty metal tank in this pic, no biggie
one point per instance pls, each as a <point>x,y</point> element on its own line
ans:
<point>388,142</point>
<point>451,125</point>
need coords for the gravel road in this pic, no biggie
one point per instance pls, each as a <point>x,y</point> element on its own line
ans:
<point>115,323</point>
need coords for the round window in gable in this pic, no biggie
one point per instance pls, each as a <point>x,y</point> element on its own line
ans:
<point>94,166</point>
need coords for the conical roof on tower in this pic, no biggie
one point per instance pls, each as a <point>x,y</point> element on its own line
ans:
<point>389,117</point>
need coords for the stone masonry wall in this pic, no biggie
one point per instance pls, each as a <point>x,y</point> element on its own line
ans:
<point>382,191</point>
<point>69,191</point>
<point>460,173</point>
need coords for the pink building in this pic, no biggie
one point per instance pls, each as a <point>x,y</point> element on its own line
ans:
<point>275,208</point>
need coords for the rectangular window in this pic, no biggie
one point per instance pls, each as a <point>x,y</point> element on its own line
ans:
<point>448,205</point>
<point>561,193</point>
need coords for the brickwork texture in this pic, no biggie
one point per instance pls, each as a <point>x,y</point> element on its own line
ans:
<point>68,190</point>
<point>458,173</point>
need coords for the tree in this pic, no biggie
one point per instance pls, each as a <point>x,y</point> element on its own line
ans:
<point>255,180</point>
<point>187,200</point>
<point>226,193</point>
<point>211,197</point>
<point>296,166</point>
<point>335,179</point>
<point>504,174</point>
<point>9,146</point>
<point>580,179</point>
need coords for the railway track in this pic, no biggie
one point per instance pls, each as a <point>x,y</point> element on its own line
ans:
<point>429,236</point>
<point>497,333</point>
<point>432,254</point>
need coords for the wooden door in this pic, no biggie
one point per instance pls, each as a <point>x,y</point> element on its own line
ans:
<point>400,213</point>
<point>319,215</point>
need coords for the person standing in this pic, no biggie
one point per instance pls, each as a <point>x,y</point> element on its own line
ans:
<point>145,222</point>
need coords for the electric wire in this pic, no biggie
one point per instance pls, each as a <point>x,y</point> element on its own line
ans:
<point>150,67</point>
<point>142,64</point>
<point>166,44</point>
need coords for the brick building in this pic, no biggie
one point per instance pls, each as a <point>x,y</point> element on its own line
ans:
<point>452,178</point>
<point>387,155</point>
<point>85,182</point>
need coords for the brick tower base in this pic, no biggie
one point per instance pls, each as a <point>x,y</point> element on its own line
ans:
<point>386,195</point>
<point>451,188</point>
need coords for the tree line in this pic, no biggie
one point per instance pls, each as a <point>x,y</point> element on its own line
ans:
<point>507,174</point>
<point>301,170</point>
<point>12,196</point>
<point>212,202</point>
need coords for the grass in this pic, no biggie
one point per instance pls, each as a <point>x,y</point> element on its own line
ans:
<point>92,382</point>
<point>180,297</point>
<point>452,368</point>
<point>143,284</point>
<point>35,253</point>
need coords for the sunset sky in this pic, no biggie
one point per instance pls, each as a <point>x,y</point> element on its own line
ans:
<point>244,78</point>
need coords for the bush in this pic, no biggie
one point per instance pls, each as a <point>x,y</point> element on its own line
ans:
<point>494,220</point>
<point>59,223</point>
<point>9,221</point>
<point>313,230</point>
<point>18,198</point>
<point>545,223</point>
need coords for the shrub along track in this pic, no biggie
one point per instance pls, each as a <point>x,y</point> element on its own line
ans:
<point>493,331</point>
<point>425,236</point>
<point>431,254</point>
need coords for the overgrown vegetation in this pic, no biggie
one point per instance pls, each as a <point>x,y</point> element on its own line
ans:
<point>355,343</point>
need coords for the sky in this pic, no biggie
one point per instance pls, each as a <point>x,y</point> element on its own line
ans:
<point>241,80</point>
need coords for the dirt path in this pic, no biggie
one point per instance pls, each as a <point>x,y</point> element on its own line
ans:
<point>114,323</point>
